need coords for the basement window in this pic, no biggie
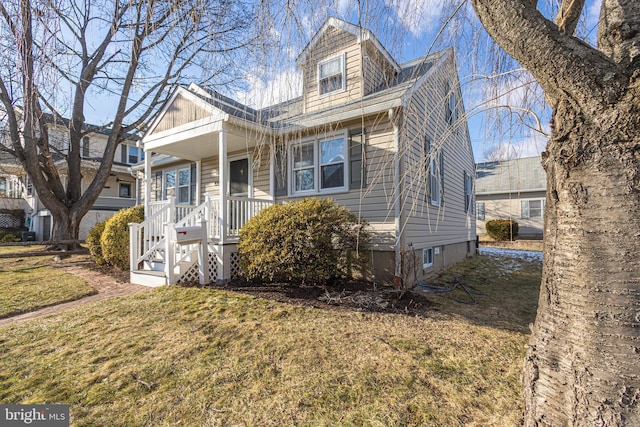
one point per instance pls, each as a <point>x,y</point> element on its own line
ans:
<point>427,257</point>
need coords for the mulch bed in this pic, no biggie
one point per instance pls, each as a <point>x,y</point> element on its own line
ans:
<point>344,295</point>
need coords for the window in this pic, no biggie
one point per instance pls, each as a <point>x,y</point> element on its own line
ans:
<point>125,190</point>
<point>179,183</point>
<point>531,208</point>
<point>468,193</point>
<point>450,107</point>
<point>303,167</point>
<point>184,185</point>
<point>169,184</point>
<point>435,173</point>
<point>320,165</point>
<point>480,211</point>
<point>133,155</point>
<point>427,257</point>
<point>85,147</point>
<point>331,75</point>
<point>3,187</point>
<point>157,184</point>
<point>332,163</point>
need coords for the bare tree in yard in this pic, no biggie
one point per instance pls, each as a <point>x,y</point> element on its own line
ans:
<point>59,56</point>
<point>583,363</point>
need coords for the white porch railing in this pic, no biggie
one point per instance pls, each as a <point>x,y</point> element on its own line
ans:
<point>148,239</point>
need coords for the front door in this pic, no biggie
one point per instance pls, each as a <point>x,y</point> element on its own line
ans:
<point>238,187</point>
<point>239,178</point>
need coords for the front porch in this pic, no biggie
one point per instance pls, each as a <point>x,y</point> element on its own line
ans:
<point>184,243</point>
<point>202,182</point>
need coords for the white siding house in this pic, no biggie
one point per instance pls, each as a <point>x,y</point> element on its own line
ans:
<point>387,140</point>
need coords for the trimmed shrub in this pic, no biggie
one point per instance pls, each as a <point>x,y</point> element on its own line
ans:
<point>93,243</point>
<point>115,237</point>
<point>10,238</point>
<point>502,229</point>
<point>309,241</point>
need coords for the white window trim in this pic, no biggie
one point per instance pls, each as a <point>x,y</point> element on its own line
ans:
<point>427,264</point>
<point>316,165</point>
<point>529,209</point>
<point>188,186</point>
<point>468,193</point>
<point>478,211</point>
<point>434,173</point>
<point>176,170</point>
<point>343,59</point>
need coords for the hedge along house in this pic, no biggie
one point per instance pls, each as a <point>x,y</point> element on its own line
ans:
<point>387,140</point>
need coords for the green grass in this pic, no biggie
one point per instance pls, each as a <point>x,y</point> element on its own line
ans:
<point>189,356</point>
<point>30,282</point>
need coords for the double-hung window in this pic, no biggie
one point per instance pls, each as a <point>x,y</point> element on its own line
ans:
<point>480,211</point>
<point>331,75</point>
<point>169,184</point>
<point>304,167</point>
<point>184,185</point>
<point>531,208</point>
<point>319,165</point>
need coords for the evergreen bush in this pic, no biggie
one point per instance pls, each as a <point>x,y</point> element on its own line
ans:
<point>115,237</point>
<point>93,243</point>
<point>502,229</point>
<point>310,241</point>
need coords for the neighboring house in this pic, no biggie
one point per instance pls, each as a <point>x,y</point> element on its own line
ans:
<point>512,189</point>
<point>119,192</point>
<point>387,140</point>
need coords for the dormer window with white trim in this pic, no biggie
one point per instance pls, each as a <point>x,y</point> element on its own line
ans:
<point>331,75</point>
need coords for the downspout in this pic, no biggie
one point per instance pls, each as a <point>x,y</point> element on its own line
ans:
<point>397,206</point>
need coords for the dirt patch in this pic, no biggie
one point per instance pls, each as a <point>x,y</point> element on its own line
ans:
<point>346,295</point>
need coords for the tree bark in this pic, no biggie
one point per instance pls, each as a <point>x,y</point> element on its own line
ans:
<point>583,363</point>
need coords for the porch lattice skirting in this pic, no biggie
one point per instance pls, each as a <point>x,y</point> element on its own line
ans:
<point>186,244</point>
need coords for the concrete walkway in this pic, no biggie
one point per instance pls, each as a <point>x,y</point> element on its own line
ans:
<point>106,286</point>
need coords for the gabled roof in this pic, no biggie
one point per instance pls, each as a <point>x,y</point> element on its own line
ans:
<point>509,176</point>
<point>288,114</point>
<point>361,33</point>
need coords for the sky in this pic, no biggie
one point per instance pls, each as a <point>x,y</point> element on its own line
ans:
<point>501,111</point>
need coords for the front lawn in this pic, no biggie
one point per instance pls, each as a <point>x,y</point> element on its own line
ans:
<point>208,357</point>
<point>30,282</point>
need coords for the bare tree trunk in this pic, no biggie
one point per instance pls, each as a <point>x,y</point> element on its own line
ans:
<point>66,226</point>
<point>583,364</point>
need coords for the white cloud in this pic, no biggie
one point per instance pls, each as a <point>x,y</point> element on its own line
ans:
<point>593,14</point>
<point>417,16</point>
<point>262,93</point>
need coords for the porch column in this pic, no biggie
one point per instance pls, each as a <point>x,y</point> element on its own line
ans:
<point>147,182</point>
<point>223,176</point>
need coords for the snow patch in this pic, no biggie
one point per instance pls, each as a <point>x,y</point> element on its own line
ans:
<point>511,260</point>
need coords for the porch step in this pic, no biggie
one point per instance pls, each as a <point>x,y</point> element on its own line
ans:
<point>148,278</point>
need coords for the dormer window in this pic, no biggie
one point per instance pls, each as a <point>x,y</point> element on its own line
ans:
<point>331,75</point>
